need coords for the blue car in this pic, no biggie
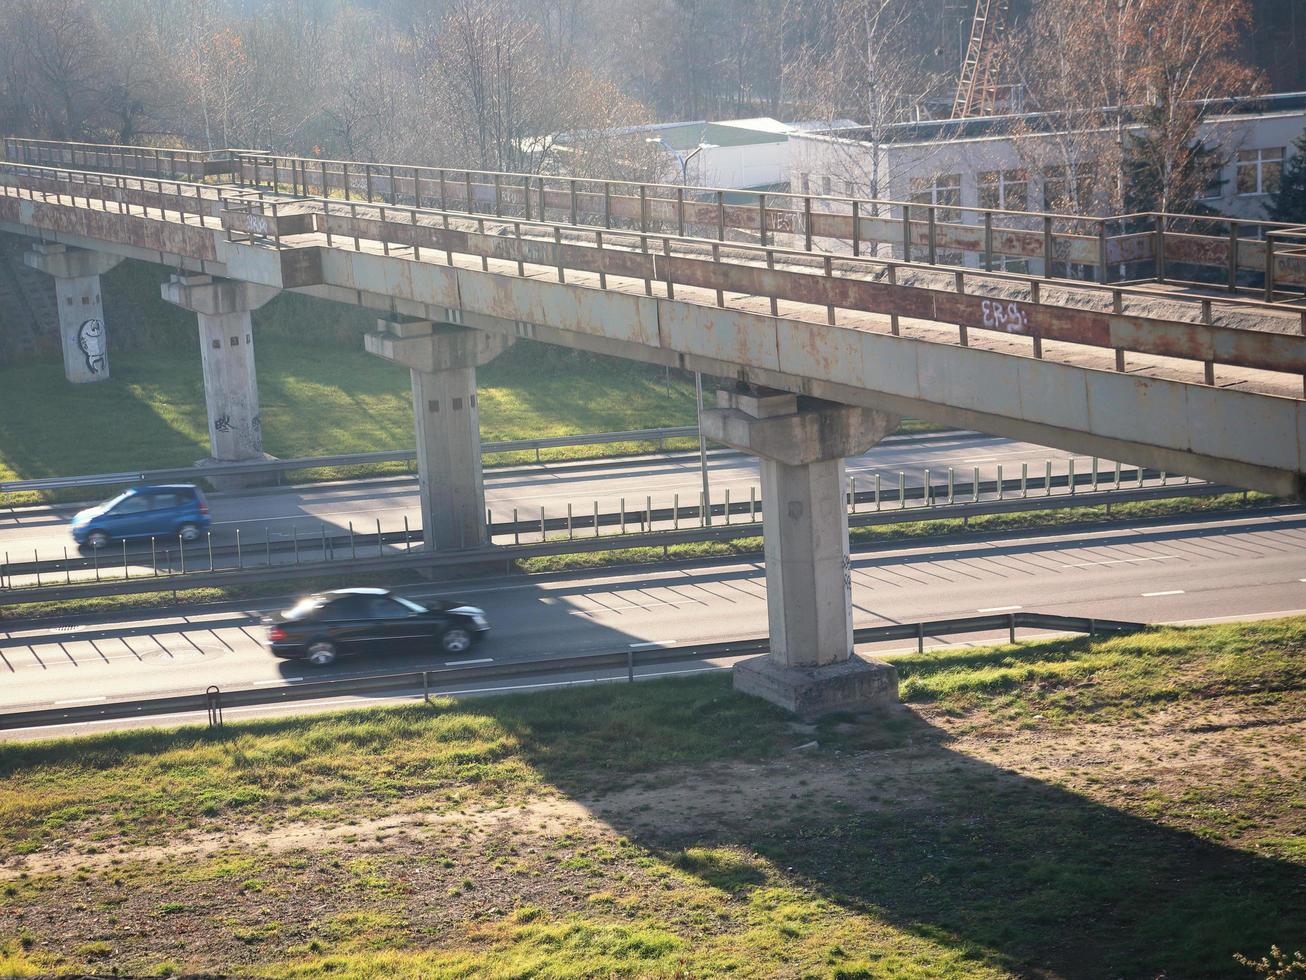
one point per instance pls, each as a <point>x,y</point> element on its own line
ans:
<point>164,512</point>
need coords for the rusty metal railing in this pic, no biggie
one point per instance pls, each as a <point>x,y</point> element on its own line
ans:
<point>1144,247</point>
<point>791,275</point>
<point>171,162</point>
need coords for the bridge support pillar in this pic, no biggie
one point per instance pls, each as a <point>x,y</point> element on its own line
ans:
<point>802,442</point>
<point>84,337</point>
<point>226,330</point>
<point>442,359</point>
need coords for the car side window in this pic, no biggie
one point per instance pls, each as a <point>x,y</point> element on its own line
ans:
<point>166,501</point>
<point>136,504</point>
<point>346,607</point>
<point>383,607</point>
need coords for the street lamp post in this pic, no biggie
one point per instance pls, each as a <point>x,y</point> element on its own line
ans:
<point>683,159</point>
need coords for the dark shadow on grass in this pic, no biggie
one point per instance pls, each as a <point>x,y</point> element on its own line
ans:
<point>1023,874</point>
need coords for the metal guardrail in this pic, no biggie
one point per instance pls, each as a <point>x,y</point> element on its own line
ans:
<point>379,562</point>
<point>213,701</point>
<point>279,466</point>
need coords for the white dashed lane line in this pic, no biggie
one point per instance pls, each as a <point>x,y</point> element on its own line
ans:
<point>1149,595</point>
<point>468,663</point>
<point>993,609</point>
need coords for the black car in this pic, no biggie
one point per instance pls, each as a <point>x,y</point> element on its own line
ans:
<point>348,621</point>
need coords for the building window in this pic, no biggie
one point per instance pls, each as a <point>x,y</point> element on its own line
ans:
<point>1258,170</point>
<point>941,189</point>
<point>1214,190</point>
<point>1068,192</point>
<point>1004,190</point>
<point>805,182</point>
<point>826,184</point>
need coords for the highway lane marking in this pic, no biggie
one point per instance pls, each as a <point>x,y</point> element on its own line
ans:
<point>990,609</point>
<point>465,663</point>
<point>1118,561</point>
<point>1148,595</point>
<point>651,643</point>
<point>83,700</point>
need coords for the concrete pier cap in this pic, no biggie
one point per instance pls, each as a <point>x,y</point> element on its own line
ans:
<point>442,359</point>
<point>811,668</point>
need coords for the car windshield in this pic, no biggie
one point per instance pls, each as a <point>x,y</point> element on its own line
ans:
<point>303,607</point>
<point>412,606</point>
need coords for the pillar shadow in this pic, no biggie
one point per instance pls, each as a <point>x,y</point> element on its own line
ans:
<point>1007,870</point>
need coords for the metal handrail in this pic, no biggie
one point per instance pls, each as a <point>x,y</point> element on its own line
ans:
<point>245,199</point>
<point>213,701</point>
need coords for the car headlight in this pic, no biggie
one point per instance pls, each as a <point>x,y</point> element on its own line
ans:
<point>480,620</point>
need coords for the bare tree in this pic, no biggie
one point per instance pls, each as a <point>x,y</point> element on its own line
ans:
<point>1104,69</point>
<point>865,67</point>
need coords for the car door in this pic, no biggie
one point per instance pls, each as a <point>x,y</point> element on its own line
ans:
<point>163,515</point>
<point>395,628</point>
<point>127,518</point>
<point>345,623</point>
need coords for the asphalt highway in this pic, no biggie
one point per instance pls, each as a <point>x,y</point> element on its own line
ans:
<point>1180,571</point>
<point>281,513</point>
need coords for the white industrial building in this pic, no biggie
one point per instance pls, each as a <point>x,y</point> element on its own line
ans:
<point>983,163</point>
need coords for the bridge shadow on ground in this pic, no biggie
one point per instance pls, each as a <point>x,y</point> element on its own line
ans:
<point>967,863</point>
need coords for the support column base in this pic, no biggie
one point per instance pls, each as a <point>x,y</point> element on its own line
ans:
<point>234,481</point>
<point>810,692</point>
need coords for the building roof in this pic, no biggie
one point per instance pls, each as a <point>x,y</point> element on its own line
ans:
<point>1052,122</point>
<point>686,136</point>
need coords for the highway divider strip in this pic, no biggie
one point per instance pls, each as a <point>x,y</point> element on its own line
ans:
<point>508,553</point>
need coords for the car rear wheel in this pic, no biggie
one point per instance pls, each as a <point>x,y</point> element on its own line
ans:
<point>97,539</point>
<point>188,532</point>
<point>321,653</point>
<point>455,640</point>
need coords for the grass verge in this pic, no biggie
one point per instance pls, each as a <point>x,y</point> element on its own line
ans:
<point>1129,807</point>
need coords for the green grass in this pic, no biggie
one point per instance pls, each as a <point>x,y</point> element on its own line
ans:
<point>1069,808</point>
<point>315,400</point>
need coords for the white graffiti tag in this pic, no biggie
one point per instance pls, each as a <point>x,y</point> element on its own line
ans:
<point>1004,316</point>
<point>90,338</point>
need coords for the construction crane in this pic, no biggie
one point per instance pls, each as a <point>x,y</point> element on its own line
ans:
<point>977,87</point>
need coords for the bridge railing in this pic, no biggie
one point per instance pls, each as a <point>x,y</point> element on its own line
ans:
<point>863,283</point>
<point>141,161</point>
<point>793,275</point>
<point>1147,246</point>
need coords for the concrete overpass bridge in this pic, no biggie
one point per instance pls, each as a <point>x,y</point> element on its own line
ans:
<point>827,333</point>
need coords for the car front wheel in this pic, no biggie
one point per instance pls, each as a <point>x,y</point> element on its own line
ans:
<point>321,653</point>
<point>97,539</point>
<point>456,640</point>
<point>188,532</point>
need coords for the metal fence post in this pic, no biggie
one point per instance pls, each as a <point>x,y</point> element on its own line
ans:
<point>1001,485</point>
<point>569,526</point>
<point>596,518</point>
<point>927,487</point>
<point>1047,478</point>
<point>974,486</point>
<point>1070,475</point>
<point>622,506</point>
<point>902,490</point>
<point>952,483</point>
